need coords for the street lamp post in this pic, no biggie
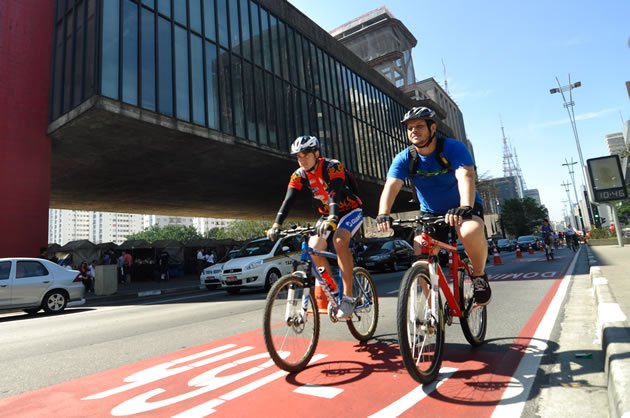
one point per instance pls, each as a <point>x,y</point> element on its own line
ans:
<point>571,173</point>
<point>569,106</point>
<point>566,189</point>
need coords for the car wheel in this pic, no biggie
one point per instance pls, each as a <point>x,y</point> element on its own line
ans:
<point>271,278</point>
<point>55,302</point>
<point>233,290</point>
<point>32,311</point>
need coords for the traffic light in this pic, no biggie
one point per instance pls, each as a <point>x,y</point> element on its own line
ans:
<point>597,221</point>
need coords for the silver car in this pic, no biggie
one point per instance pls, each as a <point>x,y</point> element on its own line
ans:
<point>32,284</point>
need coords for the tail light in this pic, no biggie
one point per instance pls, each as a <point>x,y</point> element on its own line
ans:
<point>78,279</point>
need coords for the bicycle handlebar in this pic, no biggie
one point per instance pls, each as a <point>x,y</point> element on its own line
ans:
<point>295,230</point>
<point>424,220</point>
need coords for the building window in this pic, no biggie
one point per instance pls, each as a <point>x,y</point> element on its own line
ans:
<point>130,53</point>
<point>165,69</point>
<point>148,59</point>
<point>181,73</point>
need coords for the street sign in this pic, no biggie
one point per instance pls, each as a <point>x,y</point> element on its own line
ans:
<point>606,178</point>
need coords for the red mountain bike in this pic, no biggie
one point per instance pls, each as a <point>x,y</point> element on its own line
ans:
<point>420,314</point>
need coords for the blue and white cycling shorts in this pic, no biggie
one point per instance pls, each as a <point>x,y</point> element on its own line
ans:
<point>351,222</point>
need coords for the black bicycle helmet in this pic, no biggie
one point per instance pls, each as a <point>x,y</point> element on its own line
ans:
<point>420,113</point>
<point>304,143</point>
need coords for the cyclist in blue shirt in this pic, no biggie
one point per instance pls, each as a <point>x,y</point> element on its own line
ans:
<point>442,189</point>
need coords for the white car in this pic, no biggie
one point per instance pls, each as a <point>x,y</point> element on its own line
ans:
<point>32,284</point>
<point>260,263</point>
<point>210,276</point>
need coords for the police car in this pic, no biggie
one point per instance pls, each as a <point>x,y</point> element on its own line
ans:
<point>260,263</point>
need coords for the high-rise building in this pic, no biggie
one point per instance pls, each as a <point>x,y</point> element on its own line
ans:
<point>71,225</point>
<point>616,143</point>
<point>68,225</point>
<point>534,194</point>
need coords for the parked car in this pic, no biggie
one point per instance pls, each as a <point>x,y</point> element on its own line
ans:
<point>260,263</point>
<point>506,245</point>
<point>385,254</point>
<point>32,284</point>
<point>524,241</point>
<point>210,276</point>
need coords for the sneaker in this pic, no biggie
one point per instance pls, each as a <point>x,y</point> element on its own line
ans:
<point>481,289</point>
<point>345,309</point>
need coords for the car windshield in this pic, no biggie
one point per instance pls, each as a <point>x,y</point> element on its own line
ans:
<point>230,255</point>
<point>526,238</point>
<point>261,247</point>
<point>503,242</point>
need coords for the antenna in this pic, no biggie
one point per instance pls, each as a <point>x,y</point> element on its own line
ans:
<point>445,79</point>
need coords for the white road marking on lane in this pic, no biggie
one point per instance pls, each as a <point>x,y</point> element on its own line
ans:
<point>416,395</point>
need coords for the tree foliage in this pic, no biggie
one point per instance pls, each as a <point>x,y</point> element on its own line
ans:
<point>522,216</point>
<point>174,232</point>
<point>623,209</point>
<point>241,230</point>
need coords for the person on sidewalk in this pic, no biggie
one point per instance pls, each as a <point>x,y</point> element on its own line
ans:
<point>127,264</point>
<point>163,264</point>
<point>443,173</point>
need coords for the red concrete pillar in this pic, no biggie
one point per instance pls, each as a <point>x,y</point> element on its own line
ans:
<point>26,29</point>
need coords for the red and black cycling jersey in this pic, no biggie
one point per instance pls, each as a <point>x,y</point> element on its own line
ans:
<point>329,185</point>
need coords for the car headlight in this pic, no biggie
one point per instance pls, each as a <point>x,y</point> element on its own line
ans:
<point>254,264</point>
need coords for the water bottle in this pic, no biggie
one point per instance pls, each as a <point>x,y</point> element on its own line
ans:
<point>328,278</point>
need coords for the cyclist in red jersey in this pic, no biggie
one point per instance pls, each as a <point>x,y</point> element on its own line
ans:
<point>340,207</point>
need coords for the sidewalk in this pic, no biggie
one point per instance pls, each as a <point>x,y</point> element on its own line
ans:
<point>610,278</point>
<point>186,283</point>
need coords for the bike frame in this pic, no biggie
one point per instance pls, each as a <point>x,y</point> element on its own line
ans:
<point>426,248</point>
<point>306,257</point>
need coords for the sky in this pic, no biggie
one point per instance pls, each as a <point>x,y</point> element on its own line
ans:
<point>500,58</point>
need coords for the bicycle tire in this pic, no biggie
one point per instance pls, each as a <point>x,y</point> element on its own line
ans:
<point>421,340</point>
<point>291,343</point>
<point>364,320</point>
<point>475,323</point>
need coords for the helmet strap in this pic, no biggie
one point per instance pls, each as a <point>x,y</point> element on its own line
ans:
<point>426,144</point>
<point>310,170</point>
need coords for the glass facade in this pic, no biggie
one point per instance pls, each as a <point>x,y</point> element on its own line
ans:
<point>228,65</point>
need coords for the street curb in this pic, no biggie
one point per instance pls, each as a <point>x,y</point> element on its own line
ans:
<point>615,337</point>
<point>144,293</point>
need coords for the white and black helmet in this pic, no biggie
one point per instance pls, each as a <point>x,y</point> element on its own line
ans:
<point>420,113</point>
<point>304,143</point>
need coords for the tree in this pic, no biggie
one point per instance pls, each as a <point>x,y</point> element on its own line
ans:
<point>241,230</point>
<point>174,232</point>
<point>623,213</point>
<point>522,216</point>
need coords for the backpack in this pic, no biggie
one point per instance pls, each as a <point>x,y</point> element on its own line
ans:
<point>439,155</point>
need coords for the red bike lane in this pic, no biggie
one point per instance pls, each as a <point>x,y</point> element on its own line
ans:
<point>235,377</point>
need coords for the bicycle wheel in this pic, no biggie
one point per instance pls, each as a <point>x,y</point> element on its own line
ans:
<point>420,333</point>
<point>474,322</point>
<point>362,325</point>
<point>291,332</point>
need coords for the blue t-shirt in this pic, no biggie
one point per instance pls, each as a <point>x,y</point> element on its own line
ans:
<point>435,185</point>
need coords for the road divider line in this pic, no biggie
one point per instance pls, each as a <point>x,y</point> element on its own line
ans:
<point>416,395</point>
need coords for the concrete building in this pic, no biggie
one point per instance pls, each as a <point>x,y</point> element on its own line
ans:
<point>383,42</point>
<point>534,194</point>
<point>158,106</point>
<point>204,225</point>
<point>68,225</point>
<point>616,143</point>
<point>71,225</point>
<point>114,227</point>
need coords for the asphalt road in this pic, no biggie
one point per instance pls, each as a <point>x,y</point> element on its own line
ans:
<point>90,350</point>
